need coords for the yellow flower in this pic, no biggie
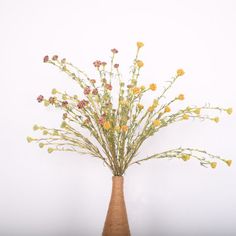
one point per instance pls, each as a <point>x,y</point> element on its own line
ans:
<point>50,150</point>
<point>197,111</point>
<point>156,123</point>
<point>35,127</point>
<point>46,103</point>
<point>139,63</point>
<point>216,119</point>
<point>213,165</point>
<point>124,102</point>
<point>167,109</point>
<point>229,110</point>
<point>106,125</point>
<point>142,87</point>
<point>54,91</point>
<point>29,139</point>
<point>185,116</point>
<point>151,109</point>
<point>180,72</point>
<point>41,145</point>
<point>136,90</point>
<point>229,162</point>
<point>155,103</point>
<point>140,44</point>
<point>185,157</point>
<point>153,87</point>
<point>140,106</point>
<point>181,97</point>
<point>45,132</point>
<point>124,128</point>
<point>117,128</point>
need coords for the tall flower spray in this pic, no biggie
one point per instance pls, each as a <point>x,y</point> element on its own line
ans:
<point>118,127</point>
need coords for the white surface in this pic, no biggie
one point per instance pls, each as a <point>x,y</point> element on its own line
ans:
<point>65,194</point>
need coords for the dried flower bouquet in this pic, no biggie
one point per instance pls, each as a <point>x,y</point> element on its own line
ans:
<point>118,127</point>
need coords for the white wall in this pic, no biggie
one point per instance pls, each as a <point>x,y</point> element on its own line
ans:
<point>66,194</point>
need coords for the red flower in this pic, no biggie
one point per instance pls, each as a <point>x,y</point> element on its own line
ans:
<point>97,63</point>
<point>52,100</point>
<point>93,81</point>
<point>40,98</point>
<point>87,90</point>
<point>109,86</point>
<point>64,103</point>
<point>114,50</point>
<point>95,91</point>
<point>46,59</point>
<point>116,66</point>
<point>55,57</point>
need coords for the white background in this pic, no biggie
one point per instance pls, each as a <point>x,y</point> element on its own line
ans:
<point>65,194</point>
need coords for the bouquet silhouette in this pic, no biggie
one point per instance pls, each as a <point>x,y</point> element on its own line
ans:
<point>116,120</point>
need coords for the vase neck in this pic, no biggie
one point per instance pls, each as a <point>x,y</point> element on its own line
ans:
<point>117,184</point>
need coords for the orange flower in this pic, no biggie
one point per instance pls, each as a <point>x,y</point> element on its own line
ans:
<point>229,162</point>
<point>167,109</point>
<point>180,72</point>
<point>156,123</point>
<point>124,128</point>
<point>136,90</point>
<point>181,97</point>
<point>106,125</point>
<point>140,106</point>
<point>153,87</point>
<point>140,44</point>
<point>139,63</point>
<point>151,109</point>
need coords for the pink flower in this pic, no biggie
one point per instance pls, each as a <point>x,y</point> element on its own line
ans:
<point>95,91</point>
<point>87,90</point>
<point>97,63</point>
<point>55,57</point>
<point>116,66</point>
<point>109,86</point>
<point>101,120</point>
<point>46,59</point>
<point>63,61</point>
<point>40,98</point>
<point>114,50</point>
<point>82,104</point>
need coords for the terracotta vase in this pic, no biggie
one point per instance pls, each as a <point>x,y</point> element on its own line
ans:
<point>116,223</point>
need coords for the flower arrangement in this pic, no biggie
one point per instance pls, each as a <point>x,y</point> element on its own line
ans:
<point>118,127</point>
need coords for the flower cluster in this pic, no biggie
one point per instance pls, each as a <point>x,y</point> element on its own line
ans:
<point>118,127</point>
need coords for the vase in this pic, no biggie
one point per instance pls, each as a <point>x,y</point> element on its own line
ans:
<point>116,223</point>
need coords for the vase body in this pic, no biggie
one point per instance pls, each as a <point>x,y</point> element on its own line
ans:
<point>116,223</point>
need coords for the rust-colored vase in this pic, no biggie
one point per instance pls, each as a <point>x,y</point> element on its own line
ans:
<point>116,223</point>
